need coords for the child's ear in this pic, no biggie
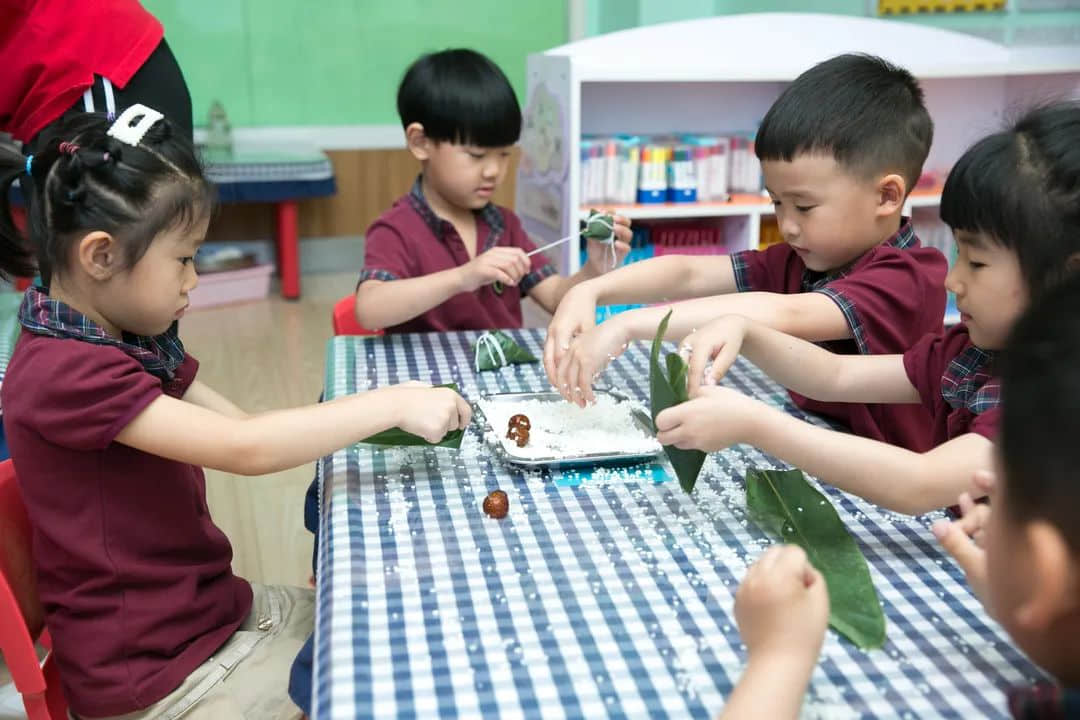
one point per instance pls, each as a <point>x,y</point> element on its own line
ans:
<point>1053,592</point>
<point>417,141</point>
<point>98,255</point>
<point>891,193</point>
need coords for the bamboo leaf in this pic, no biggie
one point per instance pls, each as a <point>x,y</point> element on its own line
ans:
<point>499,349</point>
<point>667,390</point>
<point>397,437</point>
<point>786,505</point>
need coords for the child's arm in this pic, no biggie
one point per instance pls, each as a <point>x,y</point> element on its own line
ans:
<point>813,316</point>
<point>201,394</point>
<point>385,303</point>
<point>281,439</point>
<point>672,277</point>
<point>782,610</point>
<point>550,292</point>
<point>795,363</point>
<point>890,476</point>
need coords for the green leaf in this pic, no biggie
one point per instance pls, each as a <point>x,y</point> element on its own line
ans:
<point>599,226</point>
<point>398,437</point>
<point>666,391</point>
<point>489,357</point>
<point>784,503</point>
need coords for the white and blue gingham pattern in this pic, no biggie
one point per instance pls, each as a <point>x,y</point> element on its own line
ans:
<point>608,596</point>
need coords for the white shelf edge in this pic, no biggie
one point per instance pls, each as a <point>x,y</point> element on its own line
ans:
<point>671,211</point>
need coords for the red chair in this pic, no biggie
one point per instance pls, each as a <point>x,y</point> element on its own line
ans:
<point>38,684</point>
<point>345,318</point>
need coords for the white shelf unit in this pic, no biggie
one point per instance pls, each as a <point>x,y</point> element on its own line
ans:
<point>722,74</point>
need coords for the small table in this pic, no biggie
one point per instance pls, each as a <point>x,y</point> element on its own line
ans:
<point>279,177</point>
<point>596,596</point>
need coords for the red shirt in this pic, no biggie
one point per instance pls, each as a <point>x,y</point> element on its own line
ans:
<point>891,296</point>
<point>409,241</point>
<point>135,578</point>
<point>50,51</point>
<point>956,383</point>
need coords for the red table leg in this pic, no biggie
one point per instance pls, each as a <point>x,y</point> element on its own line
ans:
<point>288,248</point>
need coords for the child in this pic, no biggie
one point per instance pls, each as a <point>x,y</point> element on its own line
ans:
<point>1013,203</point>
<point>840,149</point>
<point>1022,559</point>
<point>109,430</point>
<point>444,257</point>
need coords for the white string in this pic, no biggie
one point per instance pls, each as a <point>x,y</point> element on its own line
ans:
<point>487,340</point>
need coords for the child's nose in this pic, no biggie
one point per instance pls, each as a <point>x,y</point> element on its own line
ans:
<point>788,227</point>
<point>953,283</point>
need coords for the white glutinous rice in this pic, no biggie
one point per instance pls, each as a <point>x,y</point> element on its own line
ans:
<point>562,430</point>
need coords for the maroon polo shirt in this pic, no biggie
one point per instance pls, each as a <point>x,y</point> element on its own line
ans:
<point>956,383</point>
<point>409,240</point>
<point>893,295</point>
<point>135,578</point>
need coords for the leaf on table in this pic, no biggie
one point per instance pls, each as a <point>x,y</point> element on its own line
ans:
<point>397,437</point>
<point>785,504</point>
<point>666,390</point>
<point>494,349</point>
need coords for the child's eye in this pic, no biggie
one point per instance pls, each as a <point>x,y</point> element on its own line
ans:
<point>976,265</point>
<point>477,155</point>
<point>805,208</point>
<point>186,260</point>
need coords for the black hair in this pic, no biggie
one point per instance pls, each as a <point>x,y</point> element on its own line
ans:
<point>1021,187</point>
<point>865,112</point>
<point>84,180</point>
<point>460,96</point>
<point>1040,411</point>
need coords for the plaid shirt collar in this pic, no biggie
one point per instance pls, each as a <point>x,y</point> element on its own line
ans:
<point>1044,701</point>
<point>902,239</point>
<point>160,355</point>
<point>490,214</point>
<point>968,382</point>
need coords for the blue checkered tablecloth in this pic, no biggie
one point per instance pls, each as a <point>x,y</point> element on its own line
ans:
<point>600,594</point>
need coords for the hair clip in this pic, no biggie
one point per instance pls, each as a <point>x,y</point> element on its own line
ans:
<point>105,157</point>
<point>133,124</point>
<point>110,116</point>
<point>29,164</point>
<point>68,148</point>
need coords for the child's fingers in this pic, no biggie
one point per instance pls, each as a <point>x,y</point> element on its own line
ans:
<point>464,412</point>
<point>957,543</point>
<point>966,503</point>
<point>983,480</point>
<point>697,357</point>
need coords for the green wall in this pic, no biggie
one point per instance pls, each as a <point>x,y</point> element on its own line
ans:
<point>1016,25</point>
<point>338,62</point>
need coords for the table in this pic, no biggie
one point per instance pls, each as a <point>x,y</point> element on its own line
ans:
<point>602,595</point>
<point>281,177</point>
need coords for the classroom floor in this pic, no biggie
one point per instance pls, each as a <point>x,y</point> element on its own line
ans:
<point>263,355</point>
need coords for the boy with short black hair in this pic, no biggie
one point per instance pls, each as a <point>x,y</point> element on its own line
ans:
<point>840,151</point>
<point>445,257</point>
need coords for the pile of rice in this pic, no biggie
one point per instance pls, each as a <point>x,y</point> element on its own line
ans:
<point>563,430</point>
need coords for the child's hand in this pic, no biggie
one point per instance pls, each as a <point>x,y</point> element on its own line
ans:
<point>599,253</point>
<point>782,607</point>
<point>430,412</point>
<point>720,342</point>
<point>499,264</point>
<point>963,538</point>
<point>589,353</point>
<point>717,418</point>
<point>575,315</point>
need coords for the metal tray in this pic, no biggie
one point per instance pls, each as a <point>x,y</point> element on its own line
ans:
<point>642,419</point>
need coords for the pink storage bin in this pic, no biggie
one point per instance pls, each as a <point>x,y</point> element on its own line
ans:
<point>231,286</point>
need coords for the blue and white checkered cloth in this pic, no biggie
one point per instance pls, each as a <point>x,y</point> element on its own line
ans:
<point>610,595</point>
